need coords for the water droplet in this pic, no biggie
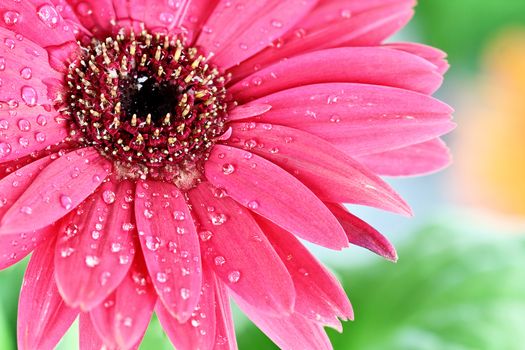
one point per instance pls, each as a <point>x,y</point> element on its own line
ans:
<point>116,247</point>
<point>24,125</point>
<point>346,13</point>
<point>253,205</point>
<point>41,120</point>
<point>148,214</point>
<point>29,96</point>
<point>205,235</point>
<point>228,169</point>
<point>127,226</point>
<point>40,137</point>
<point>71,230</point>
<point>234,276</point>
<point>108,196</point>
<point>66,202</point>
<point>128,322</point>
<point>161,277</point>
<point>26,210</point>
<point>219,260</point>
<point>303,272</point>
<point>5,149</point>
<point>10,43</point>
<point>92,260</point>
<point>184,293</point>
<point>152,243</point>
<point>83,9</point>
<point>179,215</point>
<point>104,277</point>
<point>11,17</point>
<point>310,114</point>
<point>219,192</point>
<point>23,141</point>
<point>48,15</point>
<point>65,252</point>
<point>277,24</point>
<point>335,118</point>
<point>166,17</point>
<point>218,218</point>
<point>251,143</point>
<point>4,124</point>
<point>26,73</point>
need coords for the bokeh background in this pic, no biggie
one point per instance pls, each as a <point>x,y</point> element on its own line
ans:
<point>460,280</point>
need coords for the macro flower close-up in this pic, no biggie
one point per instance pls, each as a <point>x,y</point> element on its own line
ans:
<point>164,156</point>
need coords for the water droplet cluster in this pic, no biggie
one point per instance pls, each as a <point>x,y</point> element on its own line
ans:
<point>152,105</point>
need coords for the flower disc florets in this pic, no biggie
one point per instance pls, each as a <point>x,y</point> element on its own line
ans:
<point>147,102</point>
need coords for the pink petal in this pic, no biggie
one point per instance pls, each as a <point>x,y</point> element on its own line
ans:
<point>99,16</point>
<point>320,297</point>
<point>198,332</point>
<point>95,246</point>
<point>360,119</point>
<point>342,11</point>
<point>234,246</point>
<point>287,332</point>
<point>198,13</point>
<point>334,24</point>
<point>37,21</point>
<point>419,159</point>
<point>16,183</point>
<point>57,190</point>
<point>239,29</point>
<point>43,317</point>
<point>171,246</point>
<point>362,234</point>
<point>271,192</point>
<point>370,65</point>
<point>328,172</point>
<point>225,330</point>
<point>433,55</point>
<point>26,75</point>
<point>158,14</point>
<point>122,319</point>
<point>248,111</point>
<point>14,247</point>
<point>372,26</point>
<point>89,338</point>
<point>26,130</point>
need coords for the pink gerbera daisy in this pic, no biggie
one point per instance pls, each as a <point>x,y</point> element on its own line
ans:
<point>163,155</point>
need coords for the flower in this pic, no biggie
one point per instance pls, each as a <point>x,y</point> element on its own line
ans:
<point>490,174</point>
<point>164,155</point>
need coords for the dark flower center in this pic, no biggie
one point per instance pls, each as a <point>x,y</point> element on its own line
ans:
<point>152,105</point>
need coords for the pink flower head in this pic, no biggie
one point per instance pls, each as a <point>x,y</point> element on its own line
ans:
<point>162,155</point>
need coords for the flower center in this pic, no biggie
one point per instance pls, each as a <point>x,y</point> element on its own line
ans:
<point>152,105</point>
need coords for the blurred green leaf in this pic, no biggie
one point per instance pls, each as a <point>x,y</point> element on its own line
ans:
<point>450,291</point>
<point>10,282</point>
<point>71,338</point>
<point>155,337</point>
<point>6,337</point>
<point>462,27</point>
